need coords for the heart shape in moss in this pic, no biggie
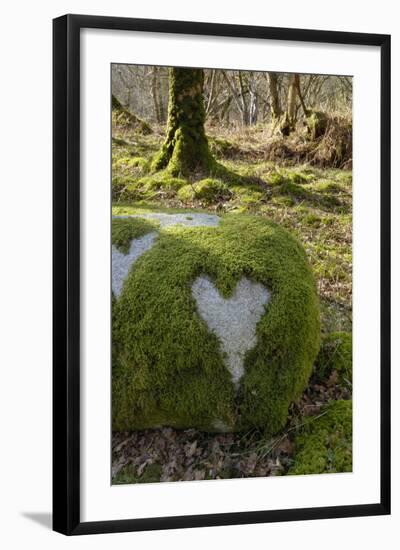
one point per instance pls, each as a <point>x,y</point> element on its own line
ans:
<point>233,319</point>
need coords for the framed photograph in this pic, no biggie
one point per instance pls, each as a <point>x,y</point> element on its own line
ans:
<point>221,274</point>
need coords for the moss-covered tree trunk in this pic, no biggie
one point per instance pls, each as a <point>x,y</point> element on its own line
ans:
<point>185,150</point>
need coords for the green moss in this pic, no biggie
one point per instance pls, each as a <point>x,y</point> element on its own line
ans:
<point>161,180</point>
<point>128,188</point>
<point>314,195</point>
<point>335,355</point>
<point>186,193</point>
<point>138,162</point>
<point>129,474</point>
<point>276,178</point>
<point>289,188</point>
<point>283,176</point>
<point>146,208</point>
<point>168,368</point>
<point>300,178</point>
<point>128,167</point>
<point>122,180</point>
<point>283,201</point>
<point>312,219</point>
<point>324,444</point>
<point>207,190</point>
<point>120,187</point>
<point>344,176</point>
<point>126,229</point>
<point>212,190</point>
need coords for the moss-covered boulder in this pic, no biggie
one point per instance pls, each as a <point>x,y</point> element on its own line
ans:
<point>335,355</point>
<point>324,444</point>
<point>215,325</point>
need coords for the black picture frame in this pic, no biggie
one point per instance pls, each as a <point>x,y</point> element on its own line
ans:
<point>66,273</point>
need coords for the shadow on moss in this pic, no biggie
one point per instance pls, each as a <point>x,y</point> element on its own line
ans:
<point>126,229</point>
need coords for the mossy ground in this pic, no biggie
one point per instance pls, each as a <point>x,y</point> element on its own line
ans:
<point>314,204</point>
<point>335,356</point>
<point>168,368</point>
<point>324,444</point>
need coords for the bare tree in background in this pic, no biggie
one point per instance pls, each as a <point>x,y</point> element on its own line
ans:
<point>156,95</point>
<point>275,103</point>
<point>236,98</point>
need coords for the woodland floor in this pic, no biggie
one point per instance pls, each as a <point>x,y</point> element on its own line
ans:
<point>313,203</point>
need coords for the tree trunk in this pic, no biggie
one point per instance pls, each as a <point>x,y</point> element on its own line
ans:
<point>211,97</point>
<point>156,95</point>
<point>298,88</point>
<point>288,122</point>
<point>225,111</point>
<point>275,103</point>
<point>239,96</point>
<point>245,107</point>
<point>253,115</point>
<point>185,150</point>
<point>291,101</point>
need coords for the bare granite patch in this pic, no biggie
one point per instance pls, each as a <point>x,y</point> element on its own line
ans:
<point>121,263</point>
<point>195,219</point>
<point>234,319</point>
